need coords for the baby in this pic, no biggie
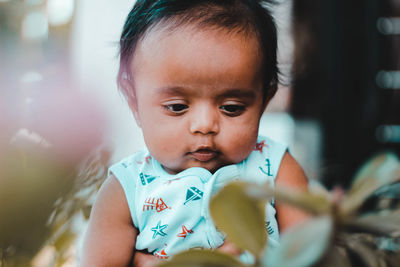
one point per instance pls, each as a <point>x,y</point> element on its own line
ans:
<point>197,76</point>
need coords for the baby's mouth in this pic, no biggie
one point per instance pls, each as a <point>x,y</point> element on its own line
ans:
<point>204,154</point>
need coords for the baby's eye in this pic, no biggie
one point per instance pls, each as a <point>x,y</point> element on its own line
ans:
<point>233,110</point>
<point>176,108</point>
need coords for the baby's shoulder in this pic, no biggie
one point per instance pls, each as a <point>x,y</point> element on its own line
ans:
<point>264,161</point>
<point>135,159</point>
<point>267,148</point>
<point>129,168</point>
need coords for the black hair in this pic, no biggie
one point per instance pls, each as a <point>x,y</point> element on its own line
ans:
<point>246,16</point>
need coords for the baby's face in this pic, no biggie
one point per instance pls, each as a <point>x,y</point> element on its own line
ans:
<point>198,97</point>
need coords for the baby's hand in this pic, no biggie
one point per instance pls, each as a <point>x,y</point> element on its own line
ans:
<point>147,260</point>
<point>141,259</point>
<point>230,248</point>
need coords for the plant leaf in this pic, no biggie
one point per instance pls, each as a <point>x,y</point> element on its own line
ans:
<point>386,223</point>
<point>317,204</point>
<point>241,217</point>
<point>202,258</point>
<point>379,171</point>
<point>389,191</point>
<point>302,245</point>
<point>392,259</point>
<point>318,188</point>
<point>316,201</point>
<point>335,256</point>
<point>64,241</point>
<point>364,250</point>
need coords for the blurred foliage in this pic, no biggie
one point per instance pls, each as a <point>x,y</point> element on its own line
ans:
<point>360,227</point>
<point>248,229</point>
<point>41,201</point>
<point>51,163</point>
<point>195,258</point>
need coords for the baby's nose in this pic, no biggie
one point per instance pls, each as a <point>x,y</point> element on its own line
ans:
<point>204,120</point>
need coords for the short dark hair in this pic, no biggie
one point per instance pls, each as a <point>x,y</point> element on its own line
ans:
<point>247,16</point>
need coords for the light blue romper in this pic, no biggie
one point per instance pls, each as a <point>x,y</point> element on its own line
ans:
<point>171,211</point>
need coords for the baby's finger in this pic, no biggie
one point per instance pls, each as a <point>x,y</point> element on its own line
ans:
<point>230,248</point>
<point>145,260</point>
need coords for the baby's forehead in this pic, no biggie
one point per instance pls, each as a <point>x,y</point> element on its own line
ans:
<point>215,44</point>
<point>188,30</point>
<point>207,60</point>
<point>203,46</point>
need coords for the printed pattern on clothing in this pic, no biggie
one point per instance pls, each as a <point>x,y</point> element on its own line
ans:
<point>146,178</point>
<point>266,168</point>
<point>126,164</point>
<point>152,203</point>
<point>158,230</point>
<point>270,229</point>
<point>171,181</point>
<point>185,232</point>
<point>161,254</point>
<point>260,146</point>
<point>170,210</point>
<point>193,194</point>
<point>147,159</point>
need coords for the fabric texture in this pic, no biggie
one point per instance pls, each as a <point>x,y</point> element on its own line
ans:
<point>171,211</point>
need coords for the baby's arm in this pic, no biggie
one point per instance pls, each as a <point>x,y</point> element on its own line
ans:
<point>111,236</point>
<point>290,175</point>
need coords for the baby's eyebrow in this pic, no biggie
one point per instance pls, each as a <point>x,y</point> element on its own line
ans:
<point>242,93</point>
<point>239,93</point>
<point>174,90</point>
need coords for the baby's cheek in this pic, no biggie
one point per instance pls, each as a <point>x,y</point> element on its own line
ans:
<point>240,146</point>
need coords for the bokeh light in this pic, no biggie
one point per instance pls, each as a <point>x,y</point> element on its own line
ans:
<point>35,26</point>
<point>60,11</point>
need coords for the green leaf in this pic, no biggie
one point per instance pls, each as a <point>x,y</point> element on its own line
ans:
<point>317,204</point>
<point>317,188</point>
<point>381,170</point>
<point>241,217</point>
<point>386,223</point>
<point>316,201</point>
<point>202,258</point>
<point>389,191</point>
<point>86,211</point>
<point>64,240</point>
<point>302,245</point>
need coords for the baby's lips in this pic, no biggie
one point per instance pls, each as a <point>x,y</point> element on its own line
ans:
<point>204,155</point>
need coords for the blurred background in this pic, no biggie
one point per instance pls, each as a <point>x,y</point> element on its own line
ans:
<point>63,121</point>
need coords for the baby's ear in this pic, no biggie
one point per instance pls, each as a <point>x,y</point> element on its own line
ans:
<point>135,111</point>
<point>128,90</point>
<point>270,94</point>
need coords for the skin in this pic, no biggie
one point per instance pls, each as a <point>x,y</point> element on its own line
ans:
<point>198,99</point>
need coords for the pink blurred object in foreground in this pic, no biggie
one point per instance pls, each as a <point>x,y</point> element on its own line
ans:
<point>70,124</point>
<point>59,123</point>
